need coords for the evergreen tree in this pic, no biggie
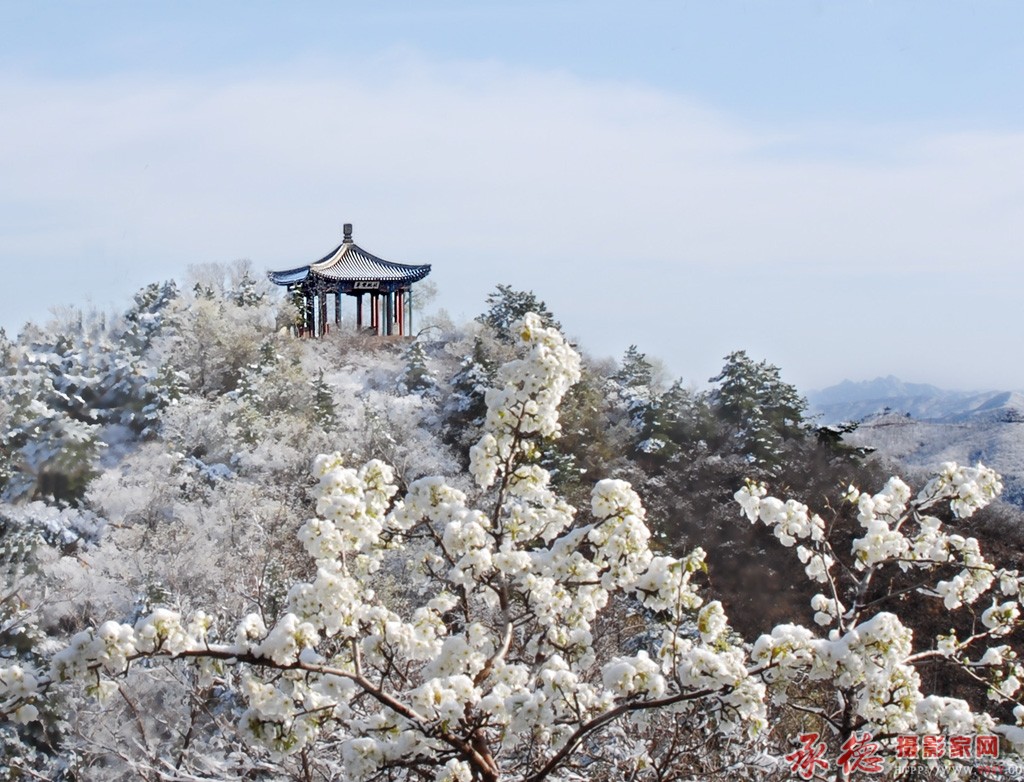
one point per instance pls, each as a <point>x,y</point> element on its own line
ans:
<point>632,388</point>
<point>592,444</point>
<point>145,318</point>
<point>247,292</point>
<point>6,353</point>
<point>464,408</point>
<point>680,426</point>
<point>762,411</point>
<point>416,378</point>
<point>46,454</point>
<point>506,305</point>
<point>323,407</point>
<point>168,388</point>
<point>296,310</point>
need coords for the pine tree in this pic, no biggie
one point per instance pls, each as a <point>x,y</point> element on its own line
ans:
<point>168,388</point>
<point>761,409</point>
<point>322,405</point>
<point>48,454</point>
<point>145,318</point>
<point>506,305</point>
<point>631,389</point>
<point>6,353</point>
<point>416,378</point>
<point>247,292</point>
<point>296,310</point>
<point>465,407</point>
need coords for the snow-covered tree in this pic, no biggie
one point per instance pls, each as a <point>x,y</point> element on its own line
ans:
<point>154,469</point>
<point>323,408</point>
<point>506,306</point>
<point>44,452</point>
<point>874,667</point>
<point>486,661</point>
<point>217,329</point>
<point>632,389</point>
<point>30,733</point>
<point>416,377</point>
<point>763,411</point>
<point>145,319</point>
<point>489,630</point>
<point>465,407</point>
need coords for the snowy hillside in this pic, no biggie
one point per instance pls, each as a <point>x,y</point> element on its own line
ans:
<point>922,426</point>
<point>994,441</point>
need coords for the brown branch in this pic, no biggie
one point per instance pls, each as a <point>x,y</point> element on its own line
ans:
<point>610,716</point>
<point>474,750</point>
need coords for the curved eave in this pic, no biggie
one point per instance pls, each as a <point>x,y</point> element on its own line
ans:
<point>409,275</point>
<point>349,262</point>
<point>290,276</point>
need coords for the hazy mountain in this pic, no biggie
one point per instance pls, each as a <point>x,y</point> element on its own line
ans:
<point>856,401</point>
<point>922,426</point>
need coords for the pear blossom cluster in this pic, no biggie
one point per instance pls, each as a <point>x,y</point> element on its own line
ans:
<point>459,635</point>
<point>967,489</point>
<point>19,689</point>
<point>789,521</point>
<point>868,654</point>
<point>524,404</point>
<point>487,646</point>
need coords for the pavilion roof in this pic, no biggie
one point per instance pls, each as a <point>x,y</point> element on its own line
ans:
<point>350,262</point>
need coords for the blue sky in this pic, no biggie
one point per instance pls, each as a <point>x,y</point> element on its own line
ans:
<point>834,186</point>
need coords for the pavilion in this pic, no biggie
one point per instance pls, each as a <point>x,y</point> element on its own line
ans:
<point>351,271</point>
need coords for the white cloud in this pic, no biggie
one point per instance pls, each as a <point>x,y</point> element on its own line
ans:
<point>639,215</point>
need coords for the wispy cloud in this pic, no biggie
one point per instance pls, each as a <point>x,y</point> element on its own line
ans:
<point>639,214</point>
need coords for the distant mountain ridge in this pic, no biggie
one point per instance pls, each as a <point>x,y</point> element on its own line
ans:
<point>857,401</point>
<point>921,425</point>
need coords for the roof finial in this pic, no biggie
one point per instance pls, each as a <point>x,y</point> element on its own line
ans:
<point>348,233</point>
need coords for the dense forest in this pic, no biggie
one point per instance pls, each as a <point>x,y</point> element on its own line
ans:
<point>227,554</point>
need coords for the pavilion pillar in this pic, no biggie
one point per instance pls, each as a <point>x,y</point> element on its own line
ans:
<point>399,306</point>
<point>323,314</point>
<point>309,320</point>
<point>390,328</point>
<point>375,312</point>
<point>337,308</point>
<point>359,312</point>
<point>410,311</point>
